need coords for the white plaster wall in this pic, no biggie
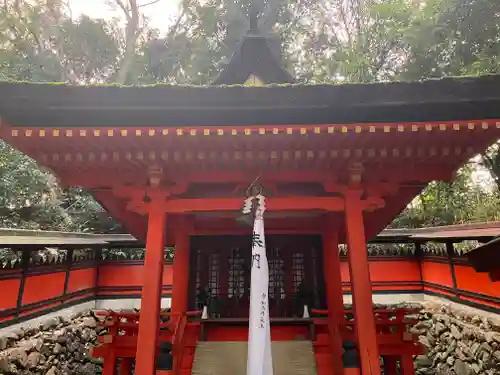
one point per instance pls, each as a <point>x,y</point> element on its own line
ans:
<point>126,303</point>
<point>130,303</point>
<point>458,306</point>
<point>67,312</point>
<point>390,299</point>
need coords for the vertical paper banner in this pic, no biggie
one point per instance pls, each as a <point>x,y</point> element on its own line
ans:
<point>259,333</point>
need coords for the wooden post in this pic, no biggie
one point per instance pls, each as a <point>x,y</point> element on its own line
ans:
<point>25,263</point>
<point>361,284</point>
<point>180,278</point>
<point>97,265</point>
<point>151,288</point>
<point>350,359</point>
<point>69,263</point>
<point>109,364</point>
<point>407,365</point>
<point>126,366</point>
<point>494,274</point>
<point>450,251</point>
<point>333,281</point>
<point>390,365</point>
<point>419,255</point>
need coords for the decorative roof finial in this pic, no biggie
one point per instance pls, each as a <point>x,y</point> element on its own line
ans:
<point>253,16</point>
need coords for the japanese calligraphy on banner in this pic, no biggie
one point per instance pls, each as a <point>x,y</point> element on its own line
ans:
<point>259,332</point>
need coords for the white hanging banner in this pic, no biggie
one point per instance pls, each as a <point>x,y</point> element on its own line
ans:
<point>259,331</point>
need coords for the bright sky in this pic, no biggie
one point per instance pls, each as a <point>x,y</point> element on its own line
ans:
<point>160,14</point>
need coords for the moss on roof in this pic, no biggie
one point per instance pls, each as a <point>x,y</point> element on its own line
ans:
<point>456,79</point>
<point>61,104</point>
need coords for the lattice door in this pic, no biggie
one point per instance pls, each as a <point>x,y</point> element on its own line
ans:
<point>221,266</point>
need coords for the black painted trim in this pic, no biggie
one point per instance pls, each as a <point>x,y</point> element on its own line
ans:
<point>450,249</point>
<point>12,274</point>
<point>462,292</point>
<point>390,291</point>
<point>69,261</point>
<point>98,264</point>
<point>40,304</point>
<point>458,300</point>
<point>46,270</point>
<point>25,263</point>
<point>435,259</point>
<point>460,260</point>
<point>54,268</point>
<point>419,254</point>
<point>384,258</point>
<point>128,262</point>
<point>83,265</point>
<point>101,297</point>
<point>133,288</point>
<point>37,314</point>
<point>91,297</point>
<point>134,291</point>
<point>390,283</point>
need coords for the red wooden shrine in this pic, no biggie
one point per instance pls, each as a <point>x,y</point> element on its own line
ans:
<point>337,163</point>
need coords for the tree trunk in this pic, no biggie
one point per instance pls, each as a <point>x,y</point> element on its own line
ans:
<point>132,15</point>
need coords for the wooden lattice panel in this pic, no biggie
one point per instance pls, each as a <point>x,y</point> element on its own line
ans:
<point>221,267</point>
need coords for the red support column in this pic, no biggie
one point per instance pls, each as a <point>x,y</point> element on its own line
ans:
<point>151,287</point>
<point>180,278</point>
<point>390,365</point>
<point>407,365</point>
<point>361,284</point>
<point>334,295</point>
<point>109,367</point>
<point>126,366</point>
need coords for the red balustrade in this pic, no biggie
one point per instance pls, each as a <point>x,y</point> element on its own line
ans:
<point>394,338</point>
<point>120,340</point>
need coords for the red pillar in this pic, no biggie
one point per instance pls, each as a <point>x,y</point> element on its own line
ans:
<point>180,278</point>
<point>151,287</point>
<point>407,365</point>
<point>390,365</point>
<point>334,295</point>
<point>109,367</point>
<point>126,366</point>
<point>361,284</point>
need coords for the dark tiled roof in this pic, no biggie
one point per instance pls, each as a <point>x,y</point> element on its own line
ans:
<point>52,105</point>
<point>486,258</point>
<point>254,56</point>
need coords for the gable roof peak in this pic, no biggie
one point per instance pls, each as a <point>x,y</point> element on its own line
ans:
<point>254,56</point>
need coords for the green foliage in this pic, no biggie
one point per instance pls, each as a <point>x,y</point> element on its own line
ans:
<point>462,201</point>
<point>31,198</point>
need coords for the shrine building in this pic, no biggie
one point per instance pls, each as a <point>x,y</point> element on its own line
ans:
<point>336,163</point>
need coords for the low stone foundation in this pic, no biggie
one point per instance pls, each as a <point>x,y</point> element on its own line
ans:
<point>58,346</point>
<point>459,342</point>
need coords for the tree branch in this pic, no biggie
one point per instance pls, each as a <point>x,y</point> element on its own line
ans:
<point>131,36</point>
<point>150,3</point>
<point>125,10</point>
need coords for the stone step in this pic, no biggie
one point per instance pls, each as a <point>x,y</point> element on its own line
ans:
<point>230,358</point>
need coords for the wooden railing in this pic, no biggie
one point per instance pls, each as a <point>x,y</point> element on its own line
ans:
<point>394,338</point>
<point>120,340</point>
<point>76,281</point>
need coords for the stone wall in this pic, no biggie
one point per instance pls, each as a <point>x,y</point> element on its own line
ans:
<point>459,342</point>
<point>59,346</point>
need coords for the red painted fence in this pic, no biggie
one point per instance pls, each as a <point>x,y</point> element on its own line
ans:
<point>31,291</point>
